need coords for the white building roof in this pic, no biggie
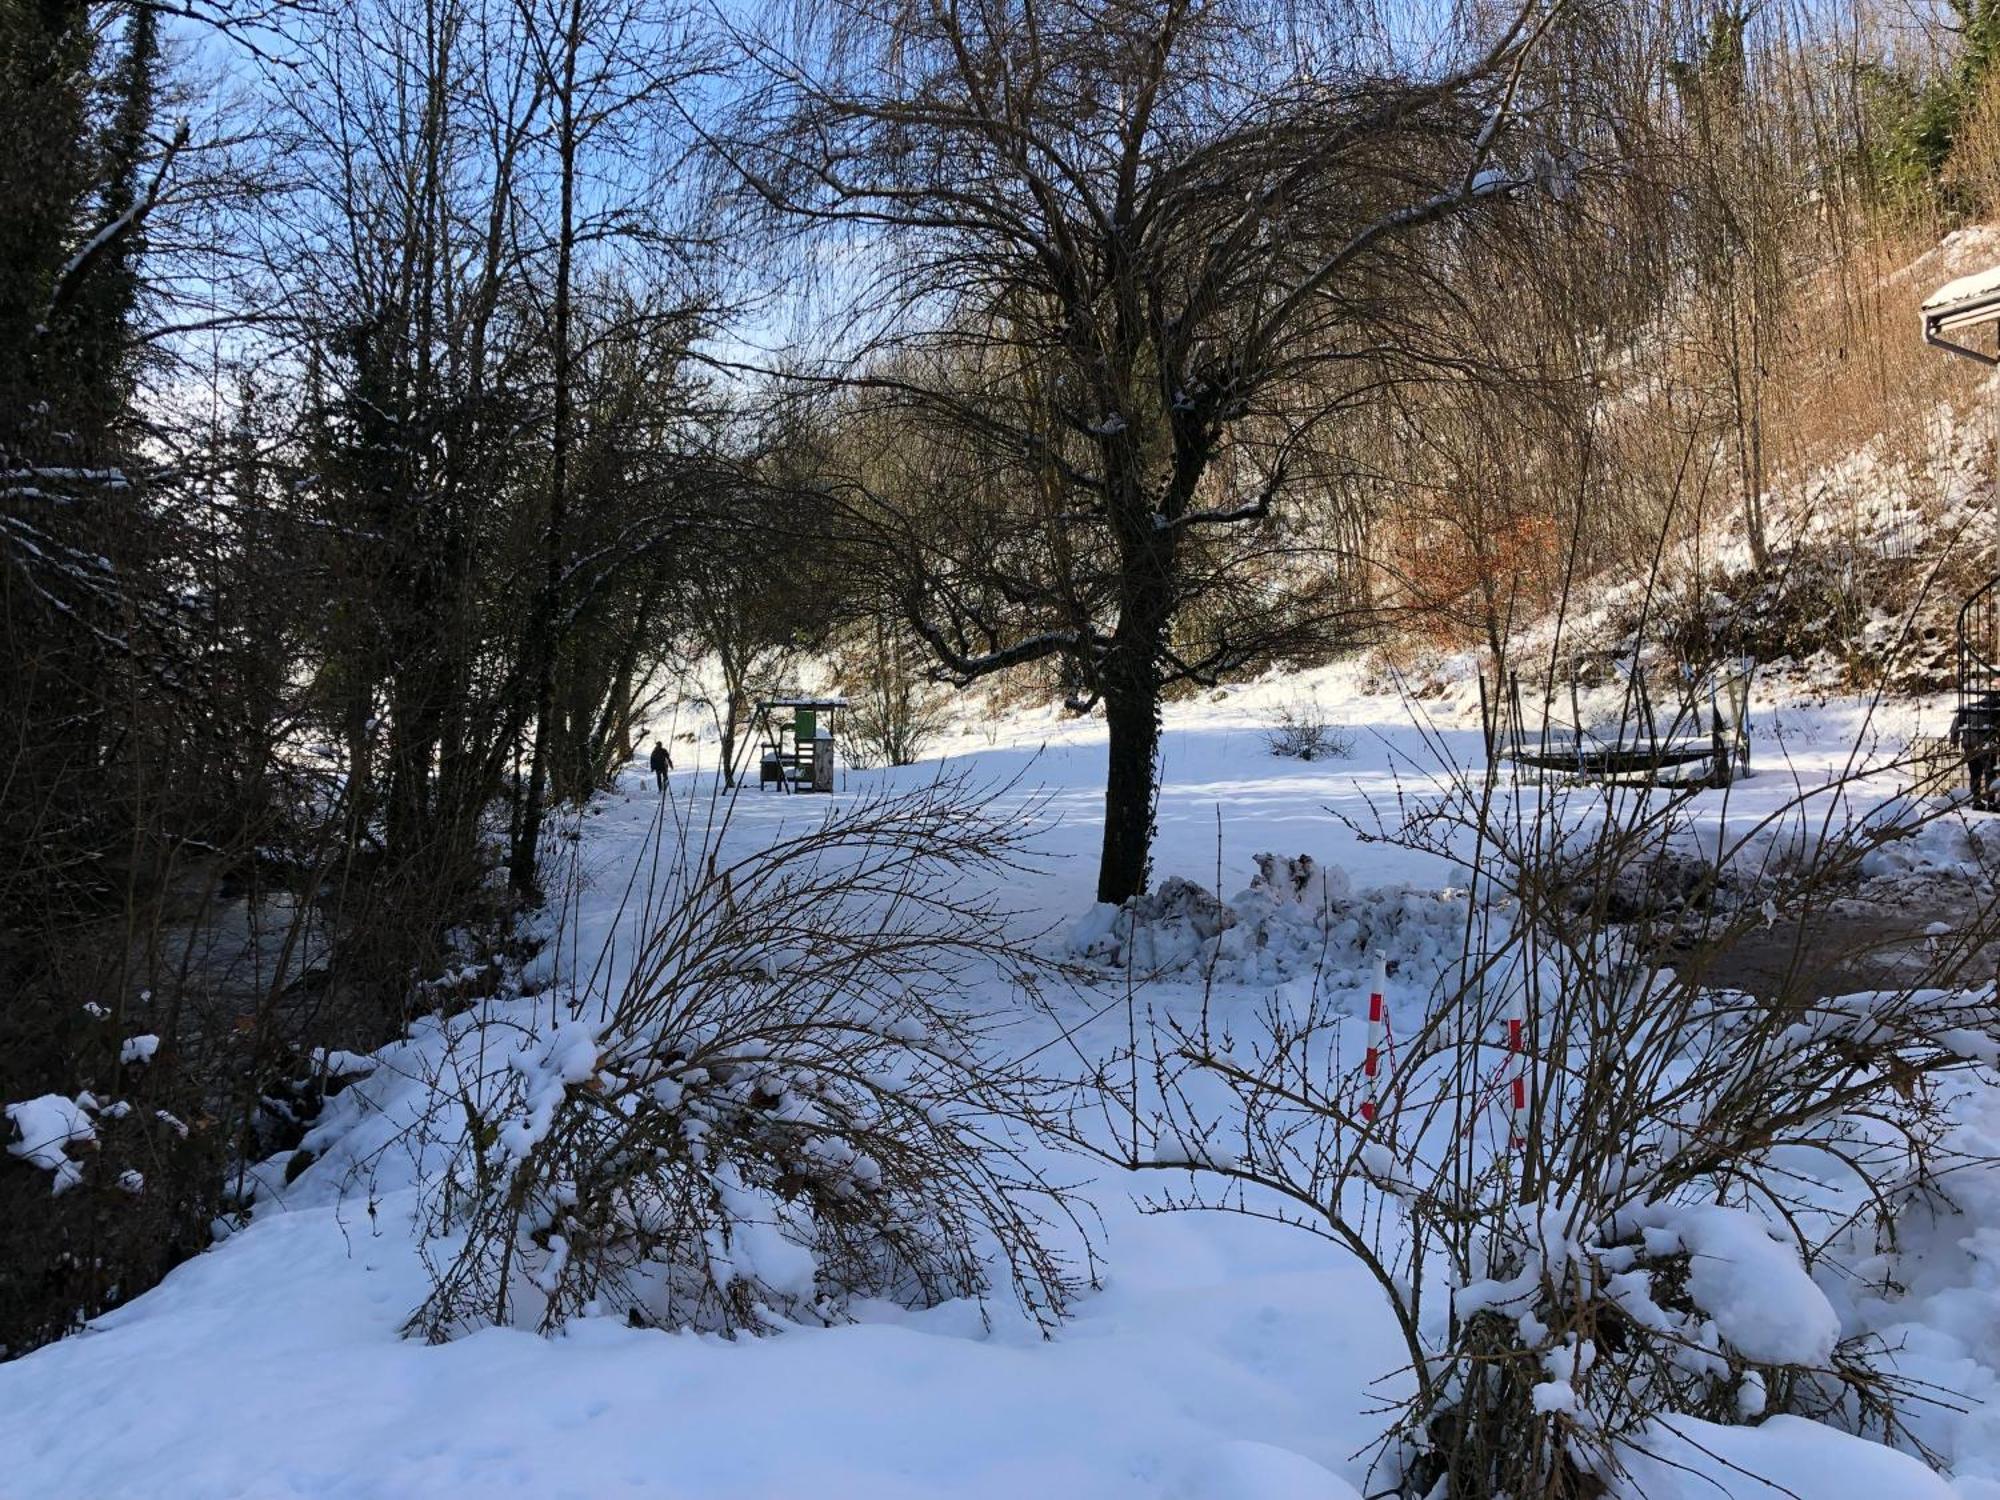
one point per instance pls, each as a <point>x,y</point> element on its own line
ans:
<point>1977,287</point>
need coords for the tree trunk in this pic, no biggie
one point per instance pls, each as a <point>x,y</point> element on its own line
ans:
<point>728,729</point>
<point>1132,714</point>
<point>525,876</point>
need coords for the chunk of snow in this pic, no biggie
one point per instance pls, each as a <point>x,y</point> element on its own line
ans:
<point>1191,1154</point>
<point>335,1063</point>
<point>138,1049</point>
<point>1750,1282</point>
<point>1554,1396</point>
<point>1750,1395</point>
<point>46,1125</point>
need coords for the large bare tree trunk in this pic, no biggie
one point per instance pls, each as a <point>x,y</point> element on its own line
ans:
<point>1129,679</point>
<point>1132,714</point>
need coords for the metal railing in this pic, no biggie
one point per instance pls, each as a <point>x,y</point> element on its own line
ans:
<point>1975,727</point>
<point>1978,635</point>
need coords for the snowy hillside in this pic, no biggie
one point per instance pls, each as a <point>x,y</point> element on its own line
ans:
<point>1219,1356</point>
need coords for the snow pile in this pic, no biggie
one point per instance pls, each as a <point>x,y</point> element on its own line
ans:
<point>1949,847</point>
<point>1297,918</point>
<point>1784,1458</point>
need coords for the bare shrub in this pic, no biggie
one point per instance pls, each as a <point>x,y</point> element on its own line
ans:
<point>896,708</point>
<point>1301,732</point>
<point>784,1107</point>
<point>1643,1237</point>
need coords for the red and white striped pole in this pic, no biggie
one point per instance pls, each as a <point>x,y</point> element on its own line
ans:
<point>1517,1084</point>
<point>1378,1027</point>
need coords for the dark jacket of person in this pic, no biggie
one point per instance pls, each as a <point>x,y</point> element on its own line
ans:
<point>662,762</point>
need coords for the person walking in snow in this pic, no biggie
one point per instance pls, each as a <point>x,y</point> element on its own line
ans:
<point>662,763</point>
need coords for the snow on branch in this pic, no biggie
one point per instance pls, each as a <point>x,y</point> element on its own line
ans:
<point>78,266</point>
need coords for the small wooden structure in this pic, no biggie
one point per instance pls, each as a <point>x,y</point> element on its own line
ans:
<point>1706,742</point>
<point>796,736</point>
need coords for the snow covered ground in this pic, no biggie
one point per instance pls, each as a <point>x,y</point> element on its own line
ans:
<point>1223,1359</point>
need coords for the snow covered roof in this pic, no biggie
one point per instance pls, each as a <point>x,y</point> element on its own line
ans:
<point>1965,303</point>
<point>1977,286</point>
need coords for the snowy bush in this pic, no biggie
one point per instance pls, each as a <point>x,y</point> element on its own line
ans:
<point>1301,732</point>
<point>782,1110</point>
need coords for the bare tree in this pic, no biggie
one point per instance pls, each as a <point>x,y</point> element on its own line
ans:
<point>495,303</point>
<point>1132,260</point>
<point>608,70</point>
<point>137,776</point>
